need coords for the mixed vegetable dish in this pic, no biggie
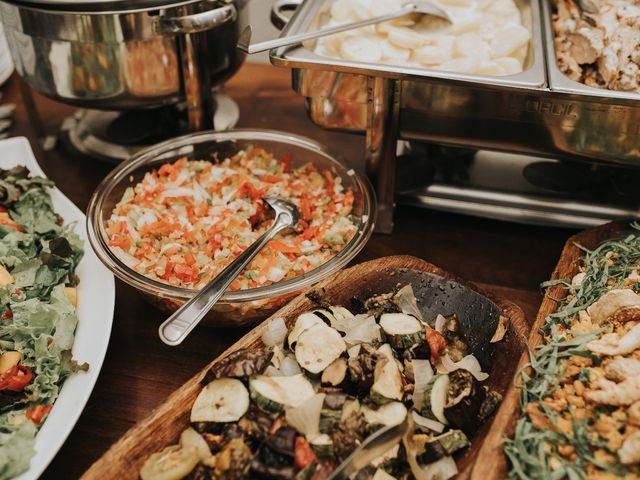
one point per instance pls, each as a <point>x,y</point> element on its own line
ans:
<point>581,392</point>
<point>38,257</point>
<point>186,221</point>
<point>296,407</point>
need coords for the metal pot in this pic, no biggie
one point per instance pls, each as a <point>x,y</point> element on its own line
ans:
<point>126,54</point>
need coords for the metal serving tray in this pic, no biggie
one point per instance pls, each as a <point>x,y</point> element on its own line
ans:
<point>523,113</point>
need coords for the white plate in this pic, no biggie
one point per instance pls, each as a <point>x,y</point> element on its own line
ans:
<point>96,297</point>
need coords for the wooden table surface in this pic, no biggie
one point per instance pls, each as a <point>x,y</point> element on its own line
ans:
<point>139,371</point>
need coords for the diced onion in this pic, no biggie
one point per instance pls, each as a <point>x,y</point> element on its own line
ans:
<point>407,303</point>
<point>422,373</point>
<point>427,423</point>
<point>469,363</point>
<point>306,417</point>
<point>290,367</point>
<point>287,368</point>
<point>275,332</point>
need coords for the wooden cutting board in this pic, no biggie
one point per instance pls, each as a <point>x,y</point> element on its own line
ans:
<point>492,462</point>
<point>164,425</point>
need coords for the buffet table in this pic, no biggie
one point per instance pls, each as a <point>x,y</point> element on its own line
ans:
<point>140,371</point>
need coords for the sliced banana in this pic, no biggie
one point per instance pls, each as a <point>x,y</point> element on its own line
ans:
<point>349,11</point>
<point>404,37</point>
<point>472,45</point>
<point>489,67</point>
<point>508,40</point>
<point>361,49</point>
<point>510,65</point>
<point>461,65</point>
<point>172,463</point>
<point>392,53</point>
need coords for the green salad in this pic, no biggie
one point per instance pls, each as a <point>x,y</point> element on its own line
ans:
<point>38,318</point>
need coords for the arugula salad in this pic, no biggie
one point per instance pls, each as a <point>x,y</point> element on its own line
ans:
<point>38,318</point>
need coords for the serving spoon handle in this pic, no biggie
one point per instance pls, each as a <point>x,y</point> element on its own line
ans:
<point>176,328</point>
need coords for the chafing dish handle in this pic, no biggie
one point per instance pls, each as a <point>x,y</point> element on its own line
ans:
<point>278,18</point>
<point>198,22</point>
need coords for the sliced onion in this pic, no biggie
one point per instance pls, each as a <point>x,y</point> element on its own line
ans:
<point>354,351</point>
<point>469,363</point>
<point>275,332</point>
<point>422,373</point>
<point>431,425</point>
<point>407,303</point>
<point>362,330</point>
<point>440,323</point>
<point>344,323</point>
<point>306,417</point>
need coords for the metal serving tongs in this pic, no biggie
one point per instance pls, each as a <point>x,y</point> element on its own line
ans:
<point>374,446</point>
<point>421,7</point>
<point>176,328</point>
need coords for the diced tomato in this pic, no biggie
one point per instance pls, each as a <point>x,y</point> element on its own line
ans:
<point>329,187</point>
<point>188,258</point>
<point>256,217</point>
<point>286,162</point>
<point>7,314</point>
<point>37,413</point>
<point>305,207</point>
<point>303,454</point>
<point>283,247</point>
<point>16,378</point>
<point>248,189</point>
<point>2,209</point>
<point>7,221</point>
<point>436,342</point>
<point>310,233</point>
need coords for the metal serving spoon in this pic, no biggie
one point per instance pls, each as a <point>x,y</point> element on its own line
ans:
<point>371,448</point>
<point>176,328</point>
<point>422,7</point>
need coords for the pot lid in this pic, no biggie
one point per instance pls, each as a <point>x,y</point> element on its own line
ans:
<point>87,6</point>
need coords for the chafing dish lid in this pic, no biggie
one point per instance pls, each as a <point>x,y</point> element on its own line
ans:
<point>103,5</point>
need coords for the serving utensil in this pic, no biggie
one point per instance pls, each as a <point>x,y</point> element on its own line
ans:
<point>176,328</point>
<point>373,447</point>
<point>421,7</point>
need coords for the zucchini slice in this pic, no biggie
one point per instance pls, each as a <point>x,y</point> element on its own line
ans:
<point>322,445</point>
<point>335,373</point>
<point>329,420</point>
<point>402,330</point>
<point>223,400</point>
<point>387,379</point>
<point>318,347</point>
<point>272,394</point>
<point>435,398</point>
<point>304,322</point>
<point>388,415</point>
<point>172,463</point>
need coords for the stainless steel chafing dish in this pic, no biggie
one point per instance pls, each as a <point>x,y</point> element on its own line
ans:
<point>126,54</point>
<point>538,111</point>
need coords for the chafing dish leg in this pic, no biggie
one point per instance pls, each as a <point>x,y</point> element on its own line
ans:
<point>383,112</point>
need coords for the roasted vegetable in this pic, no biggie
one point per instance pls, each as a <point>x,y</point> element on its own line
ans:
<point>222,400</point>
<point>362,367</point>
<point>256,424</point>
<point>402,330</point>
<point>349,435</point>
<point>380,304</point>
<point>232,462</point>
<point>241,364</point>
<point>490,404</point>
<point>464,401</point>
<point>443,446</point>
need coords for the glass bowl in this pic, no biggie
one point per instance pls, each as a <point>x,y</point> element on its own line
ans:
<point>240,307</point>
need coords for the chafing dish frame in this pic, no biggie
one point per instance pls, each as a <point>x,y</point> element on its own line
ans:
<point>518,113</point>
